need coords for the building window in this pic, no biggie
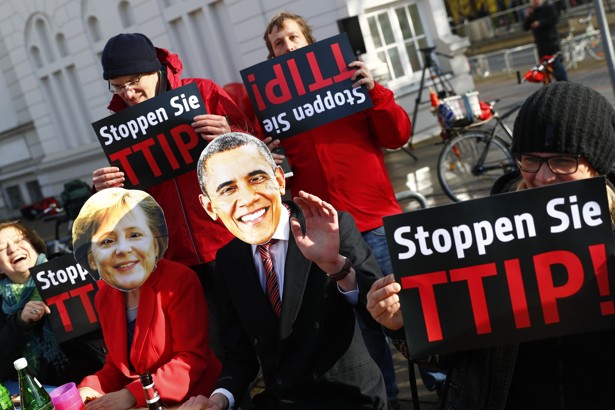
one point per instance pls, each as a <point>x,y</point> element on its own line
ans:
<point>62,91</point>
<point>14,195</point>
<point>34,190</point>
<point>398,34</point>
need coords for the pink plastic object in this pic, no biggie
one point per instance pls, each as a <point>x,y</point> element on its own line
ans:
<point>66,397</point>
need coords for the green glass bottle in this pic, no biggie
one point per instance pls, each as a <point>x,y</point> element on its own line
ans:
<point>33,395</point>
<point>5,399</point>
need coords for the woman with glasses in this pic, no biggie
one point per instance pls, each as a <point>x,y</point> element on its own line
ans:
<point>144,306</point>
<point>563,132</point>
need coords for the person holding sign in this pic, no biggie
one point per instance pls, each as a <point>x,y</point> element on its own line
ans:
<point>25,330</point>
<point>287,295</point>
<point>143,305</point>
<point>554,141</point>
<point>342,161</point>
<point>138,71</point>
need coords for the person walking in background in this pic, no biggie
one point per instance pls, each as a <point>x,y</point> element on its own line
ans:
<point>554,141</point>
<point>342,162</point>
<point>152,311</point>
<point>288,288</point>
<point>138,71</point>
<point>542,19</point>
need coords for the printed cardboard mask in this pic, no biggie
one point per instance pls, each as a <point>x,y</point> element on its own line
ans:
<point>244,186</point>
<point>120,234</point>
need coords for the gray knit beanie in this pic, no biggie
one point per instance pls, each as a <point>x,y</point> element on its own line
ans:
<point>130,53</point>
<point>566,117</point>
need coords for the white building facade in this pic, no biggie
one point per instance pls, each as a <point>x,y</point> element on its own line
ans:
<point>51,86</point>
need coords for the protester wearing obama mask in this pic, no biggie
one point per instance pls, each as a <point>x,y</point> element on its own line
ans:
<point>342,163</point>
<point>143,304</point>
<point>564,132</point>
<point>287,288</point>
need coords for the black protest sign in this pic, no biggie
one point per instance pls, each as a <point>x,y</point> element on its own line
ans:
<point>306,88</point>
<point>153,141</point>
<point>509,268</point>
<point>68,290</point>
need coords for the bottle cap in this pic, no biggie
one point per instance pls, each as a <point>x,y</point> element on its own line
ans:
<point>20,363</point>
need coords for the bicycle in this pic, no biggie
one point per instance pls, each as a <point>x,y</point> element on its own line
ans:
<point>590,42</point>
<point>473,159</point>
<point>479,66</point>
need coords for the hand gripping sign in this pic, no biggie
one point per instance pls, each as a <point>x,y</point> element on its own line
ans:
<point>69,292</point>
<point>306,88</point>
<point>521,266</point>
<point>154,141</point>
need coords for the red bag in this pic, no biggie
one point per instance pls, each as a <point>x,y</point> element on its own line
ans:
<point>485,111</point>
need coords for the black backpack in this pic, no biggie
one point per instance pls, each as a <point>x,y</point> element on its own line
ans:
<point>74,195</point>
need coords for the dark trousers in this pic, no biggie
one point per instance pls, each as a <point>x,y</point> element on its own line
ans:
<point>559,71</point>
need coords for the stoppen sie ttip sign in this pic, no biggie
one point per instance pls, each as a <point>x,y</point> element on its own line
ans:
<point>306,88</point>
<point>504,269</point>
<point>154,141</point>
<point>69,290</point>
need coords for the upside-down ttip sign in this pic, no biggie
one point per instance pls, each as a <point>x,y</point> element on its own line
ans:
<point>306,88</point>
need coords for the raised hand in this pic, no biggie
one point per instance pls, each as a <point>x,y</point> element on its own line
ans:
<point>321,241</point>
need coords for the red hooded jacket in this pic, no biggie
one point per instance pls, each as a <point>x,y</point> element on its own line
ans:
<point>342,162</point>
<point>194,238</point>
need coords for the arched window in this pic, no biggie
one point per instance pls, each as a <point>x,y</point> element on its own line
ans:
<point>202,35</point>
<point>125,13</point>
<point>61,88</point>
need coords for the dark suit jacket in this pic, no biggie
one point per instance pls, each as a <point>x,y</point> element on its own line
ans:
<point>315,357</point>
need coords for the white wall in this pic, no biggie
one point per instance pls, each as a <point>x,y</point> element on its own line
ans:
<point>51,86</point>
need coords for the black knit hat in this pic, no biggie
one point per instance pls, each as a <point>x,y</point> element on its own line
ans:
<point>126,54</point>
<point>566,117</point>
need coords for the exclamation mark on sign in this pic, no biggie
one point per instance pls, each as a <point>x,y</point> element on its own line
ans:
<point>598,255</point>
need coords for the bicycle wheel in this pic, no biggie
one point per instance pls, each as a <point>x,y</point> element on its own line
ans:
<point>460,174</point>
<point>594,47</point>
<point>566,51</point>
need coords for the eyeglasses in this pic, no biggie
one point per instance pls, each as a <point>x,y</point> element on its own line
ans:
<point>558,164</point>
<point>129,86</point>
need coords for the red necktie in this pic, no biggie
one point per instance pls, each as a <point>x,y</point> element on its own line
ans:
<point>273,292</point>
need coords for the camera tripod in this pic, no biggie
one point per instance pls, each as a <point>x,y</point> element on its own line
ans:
<point>442,85</point>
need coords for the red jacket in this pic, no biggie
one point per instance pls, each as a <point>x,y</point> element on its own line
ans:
<point>342,162</point>
<point>167,342</point>
<point>194,238</point>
